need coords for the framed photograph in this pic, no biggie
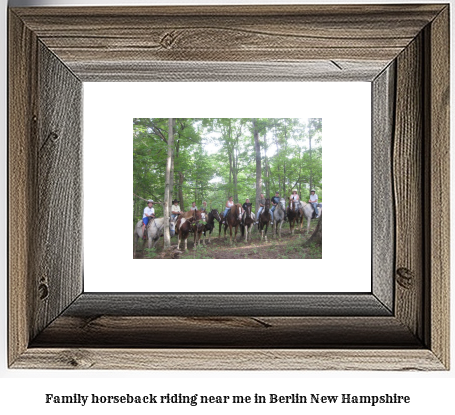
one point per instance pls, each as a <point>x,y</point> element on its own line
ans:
<point>402,323</point>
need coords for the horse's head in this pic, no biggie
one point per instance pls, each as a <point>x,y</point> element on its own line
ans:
<point>216,214</point>
<point>239,211</point>
<point>172,227</point>
<point>267,203</point>
<point>248,209</point>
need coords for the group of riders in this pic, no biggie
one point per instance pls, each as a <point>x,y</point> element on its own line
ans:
<point>149,211</point>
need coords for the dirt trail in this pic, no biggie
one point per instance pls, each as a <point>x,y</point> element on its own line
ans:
<point>289,247</point>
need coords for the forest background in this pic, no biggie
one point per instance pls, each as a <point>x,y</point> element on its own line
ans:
<point>214,158</point>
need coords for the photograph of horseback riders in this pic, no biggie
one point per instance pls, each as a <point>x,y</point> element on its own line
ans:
<point>227,188</point>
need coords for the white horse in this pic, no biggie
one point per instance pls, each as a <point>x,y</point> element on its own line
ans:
<point>155,229</point>
<point>278,217</point>
<point>308,211</point>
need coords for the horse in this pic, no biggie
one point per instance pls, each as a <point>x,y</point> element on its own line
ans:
<point>293,212</point>
<point>198,226</point>
<point>155,229</point>
<point>233,220</point>
<point>183,228</point>
<point>210,225</point>
<point>278,218</point>
<point>264,219</point>
<point>307,211</point>
<point>248,222</point>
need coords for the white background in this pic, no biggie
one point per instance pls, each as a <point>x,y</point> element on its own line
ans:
<point>23,390</point>
<point>345,109</point>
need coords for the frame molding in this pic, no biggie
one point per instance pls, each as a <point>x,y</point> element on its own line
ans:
<point>403,324</point>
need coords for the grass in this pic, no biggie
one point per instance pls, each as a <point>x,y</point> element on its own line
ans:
<point>287,247</point>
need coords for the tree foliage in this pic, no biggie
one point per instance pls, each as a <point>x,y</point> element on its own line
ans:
<point>215,158</point>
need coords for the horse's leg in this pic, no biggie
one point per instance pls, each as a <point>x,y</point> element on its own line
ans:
<point>135,238</point>
<point>308,225</point>
<point>279,230</point>
<point>178,241</point>
<point>186,241</point>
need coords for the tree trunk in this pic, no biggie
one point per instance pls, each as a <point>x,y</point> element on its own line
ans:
<point>284,159</point>
<point>267,167</point>
<point>181,201</point>
<point>171,177</point>
<point>316,237</point>
<point>167,190</point>
<point>310,133</point>
<point>257,149</point>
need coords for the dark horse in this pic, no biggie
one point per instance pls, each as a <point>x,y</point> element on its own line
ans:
<point>248,221</point>
<point>294,214</point>
<point>264,219</point>
<point>233,220</point>
<point>210,225</point>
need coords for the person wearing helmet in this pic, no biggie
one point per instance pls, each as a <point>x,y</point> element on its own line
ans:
<point>149,213</point>
<point>314,201</point>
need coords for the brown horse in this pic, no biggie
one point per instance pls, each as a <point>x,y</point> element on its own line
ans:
<point>233,220</point>
<point>210,225</point>
<point>294,214</point>
<point>264,219</point>
<point>183,228</point>
<point>248,221</point>
<point>198,226</point>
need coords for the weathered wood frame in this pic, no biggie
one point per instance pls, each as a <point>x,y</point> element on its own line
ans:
<point>402,324</point>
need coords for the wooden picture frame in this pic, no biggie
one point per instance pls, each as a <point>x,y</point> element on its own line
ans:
<point>403,324</point>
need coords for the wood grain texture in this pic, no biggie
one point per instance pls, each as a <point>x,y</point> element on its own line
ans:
<point>407,173</point>
<point>383,225</point>
<point>257,332</point>
<point>22,96</point>
<point>57,237</point>
<point>438,169</point>
<point>310,71</point>
<point>90,305</point>
<point>229,359</point>
<point>231,34</point>
<point>56,48</point>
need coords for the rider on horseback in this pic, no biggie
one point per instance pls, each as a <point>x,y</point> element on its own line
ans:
<point>275,200</point>
<point>175,210</point>
<point>245,205</point>
<point>149,213</point>
<point>229,204</point>
<point>314,201</point>
<point>295,196</point>
<point>261,207</point>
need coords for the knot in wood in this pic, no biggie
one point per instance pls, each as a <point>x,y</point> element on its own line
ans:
<point>168,39</point>
<point>405,278</point>
<point>43,291</point>
<point>53,136</point>
<point>76,359</point>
